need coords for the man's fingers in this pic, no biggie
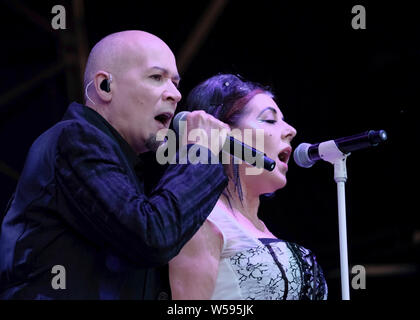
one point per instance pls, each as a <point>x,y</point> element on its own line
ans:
<point>210,127</point>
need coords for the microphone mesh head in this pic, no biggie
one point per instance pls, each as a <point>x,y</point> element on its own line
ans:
<point>301,156</point>
<point>182,116</point>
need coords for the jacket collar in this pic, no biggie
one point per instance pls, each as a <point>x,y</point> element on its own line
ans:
<point>84,113</point>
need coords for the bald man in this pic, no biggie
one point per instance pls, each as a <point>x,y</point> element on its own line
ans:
<point>80,225</point>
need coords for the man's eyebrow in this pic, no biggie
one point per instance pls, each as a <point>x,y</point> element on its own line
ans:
<point>166,72</point>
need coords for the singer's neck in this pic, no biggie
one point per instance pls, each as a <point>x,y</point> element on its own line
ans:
<point>247,207</point>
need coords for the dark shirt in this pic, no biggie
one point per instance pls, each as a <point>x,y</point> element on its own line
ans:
<point>80,204</point>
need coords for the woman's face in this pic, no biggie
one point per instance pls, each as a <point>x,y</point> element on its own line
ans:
<point>261,112</point>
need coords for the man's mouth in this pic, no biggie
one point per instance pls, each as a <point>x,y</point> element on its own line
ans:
<point>164,118</point>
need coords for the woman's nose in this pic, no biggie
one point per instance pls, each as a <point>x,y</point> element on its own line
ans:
<point>289,132</point>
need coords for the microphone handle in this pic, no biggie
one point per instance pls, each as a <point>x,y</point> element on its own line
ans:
<point>363,140</point>
<point>346,145</point>
<point>246,152</point>
<point>235,147</point>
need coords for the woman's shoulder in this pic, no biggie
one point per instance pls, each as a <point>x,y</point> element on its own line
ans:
<point>220,217</point>
<point>235,237</point>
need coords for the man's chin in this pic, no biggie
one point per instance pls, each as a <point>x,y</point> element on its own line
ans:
<point>152,144</point>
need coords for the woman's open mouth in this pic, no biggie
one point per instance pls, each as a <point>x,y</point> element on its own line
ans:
<point>284,155</point>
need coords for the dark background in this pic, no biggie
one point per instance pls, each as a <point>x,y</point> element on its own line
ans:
<point>330,81</point>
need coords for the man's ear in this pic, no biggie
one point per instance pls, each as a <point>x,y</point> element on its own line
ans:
<point>102,83</point>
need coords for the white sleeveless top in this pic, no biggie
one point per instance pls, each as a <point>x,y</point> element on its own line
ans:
<point>263,269</point>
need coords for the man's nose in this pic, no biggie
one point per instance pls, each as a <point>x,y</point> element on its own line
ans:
<point>172,94</point>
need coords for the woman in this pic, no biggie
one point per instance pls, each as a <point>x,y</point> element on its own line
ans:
<point>234,255</point>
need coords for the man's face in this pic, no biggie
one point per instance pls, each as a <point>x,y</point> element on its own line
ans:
<point>145,95</point>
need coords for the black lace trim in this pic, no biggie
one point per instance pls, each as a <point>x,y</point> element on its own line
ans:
<point>314,286</point>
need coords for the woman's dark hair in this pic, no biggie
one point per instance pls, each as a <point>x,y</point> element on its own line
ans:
<point>224,96</point>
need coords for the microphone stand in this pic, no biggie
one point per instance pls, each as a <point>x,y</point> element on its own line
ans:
<point>340,177</point>
<point>329,152</point>
<point>306,155</point>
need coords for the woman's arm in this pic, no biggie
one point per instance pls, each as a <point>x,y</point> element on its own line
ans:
<point>193,272</point>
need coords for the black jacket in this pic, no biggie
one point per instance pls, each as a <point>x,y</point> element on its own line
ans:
<point>81,205</point>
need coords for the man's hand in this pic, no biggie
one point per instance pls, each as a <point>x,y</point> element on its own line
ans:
<point>204,129</point>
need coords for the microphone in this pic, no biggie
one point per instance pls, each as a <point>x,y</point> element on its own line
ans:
<point>232,146</point>
<point>306,155</point>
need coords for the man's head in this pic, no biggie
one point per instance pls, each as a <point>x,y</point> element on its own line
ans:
<point>143,92</point>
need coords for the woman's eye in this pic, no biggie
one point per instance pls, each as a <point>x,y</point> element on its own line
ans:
<point>270,121</point>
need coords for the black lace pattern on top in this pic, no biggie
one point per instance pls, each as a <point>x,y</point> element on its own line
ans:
<point>278,272</point>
